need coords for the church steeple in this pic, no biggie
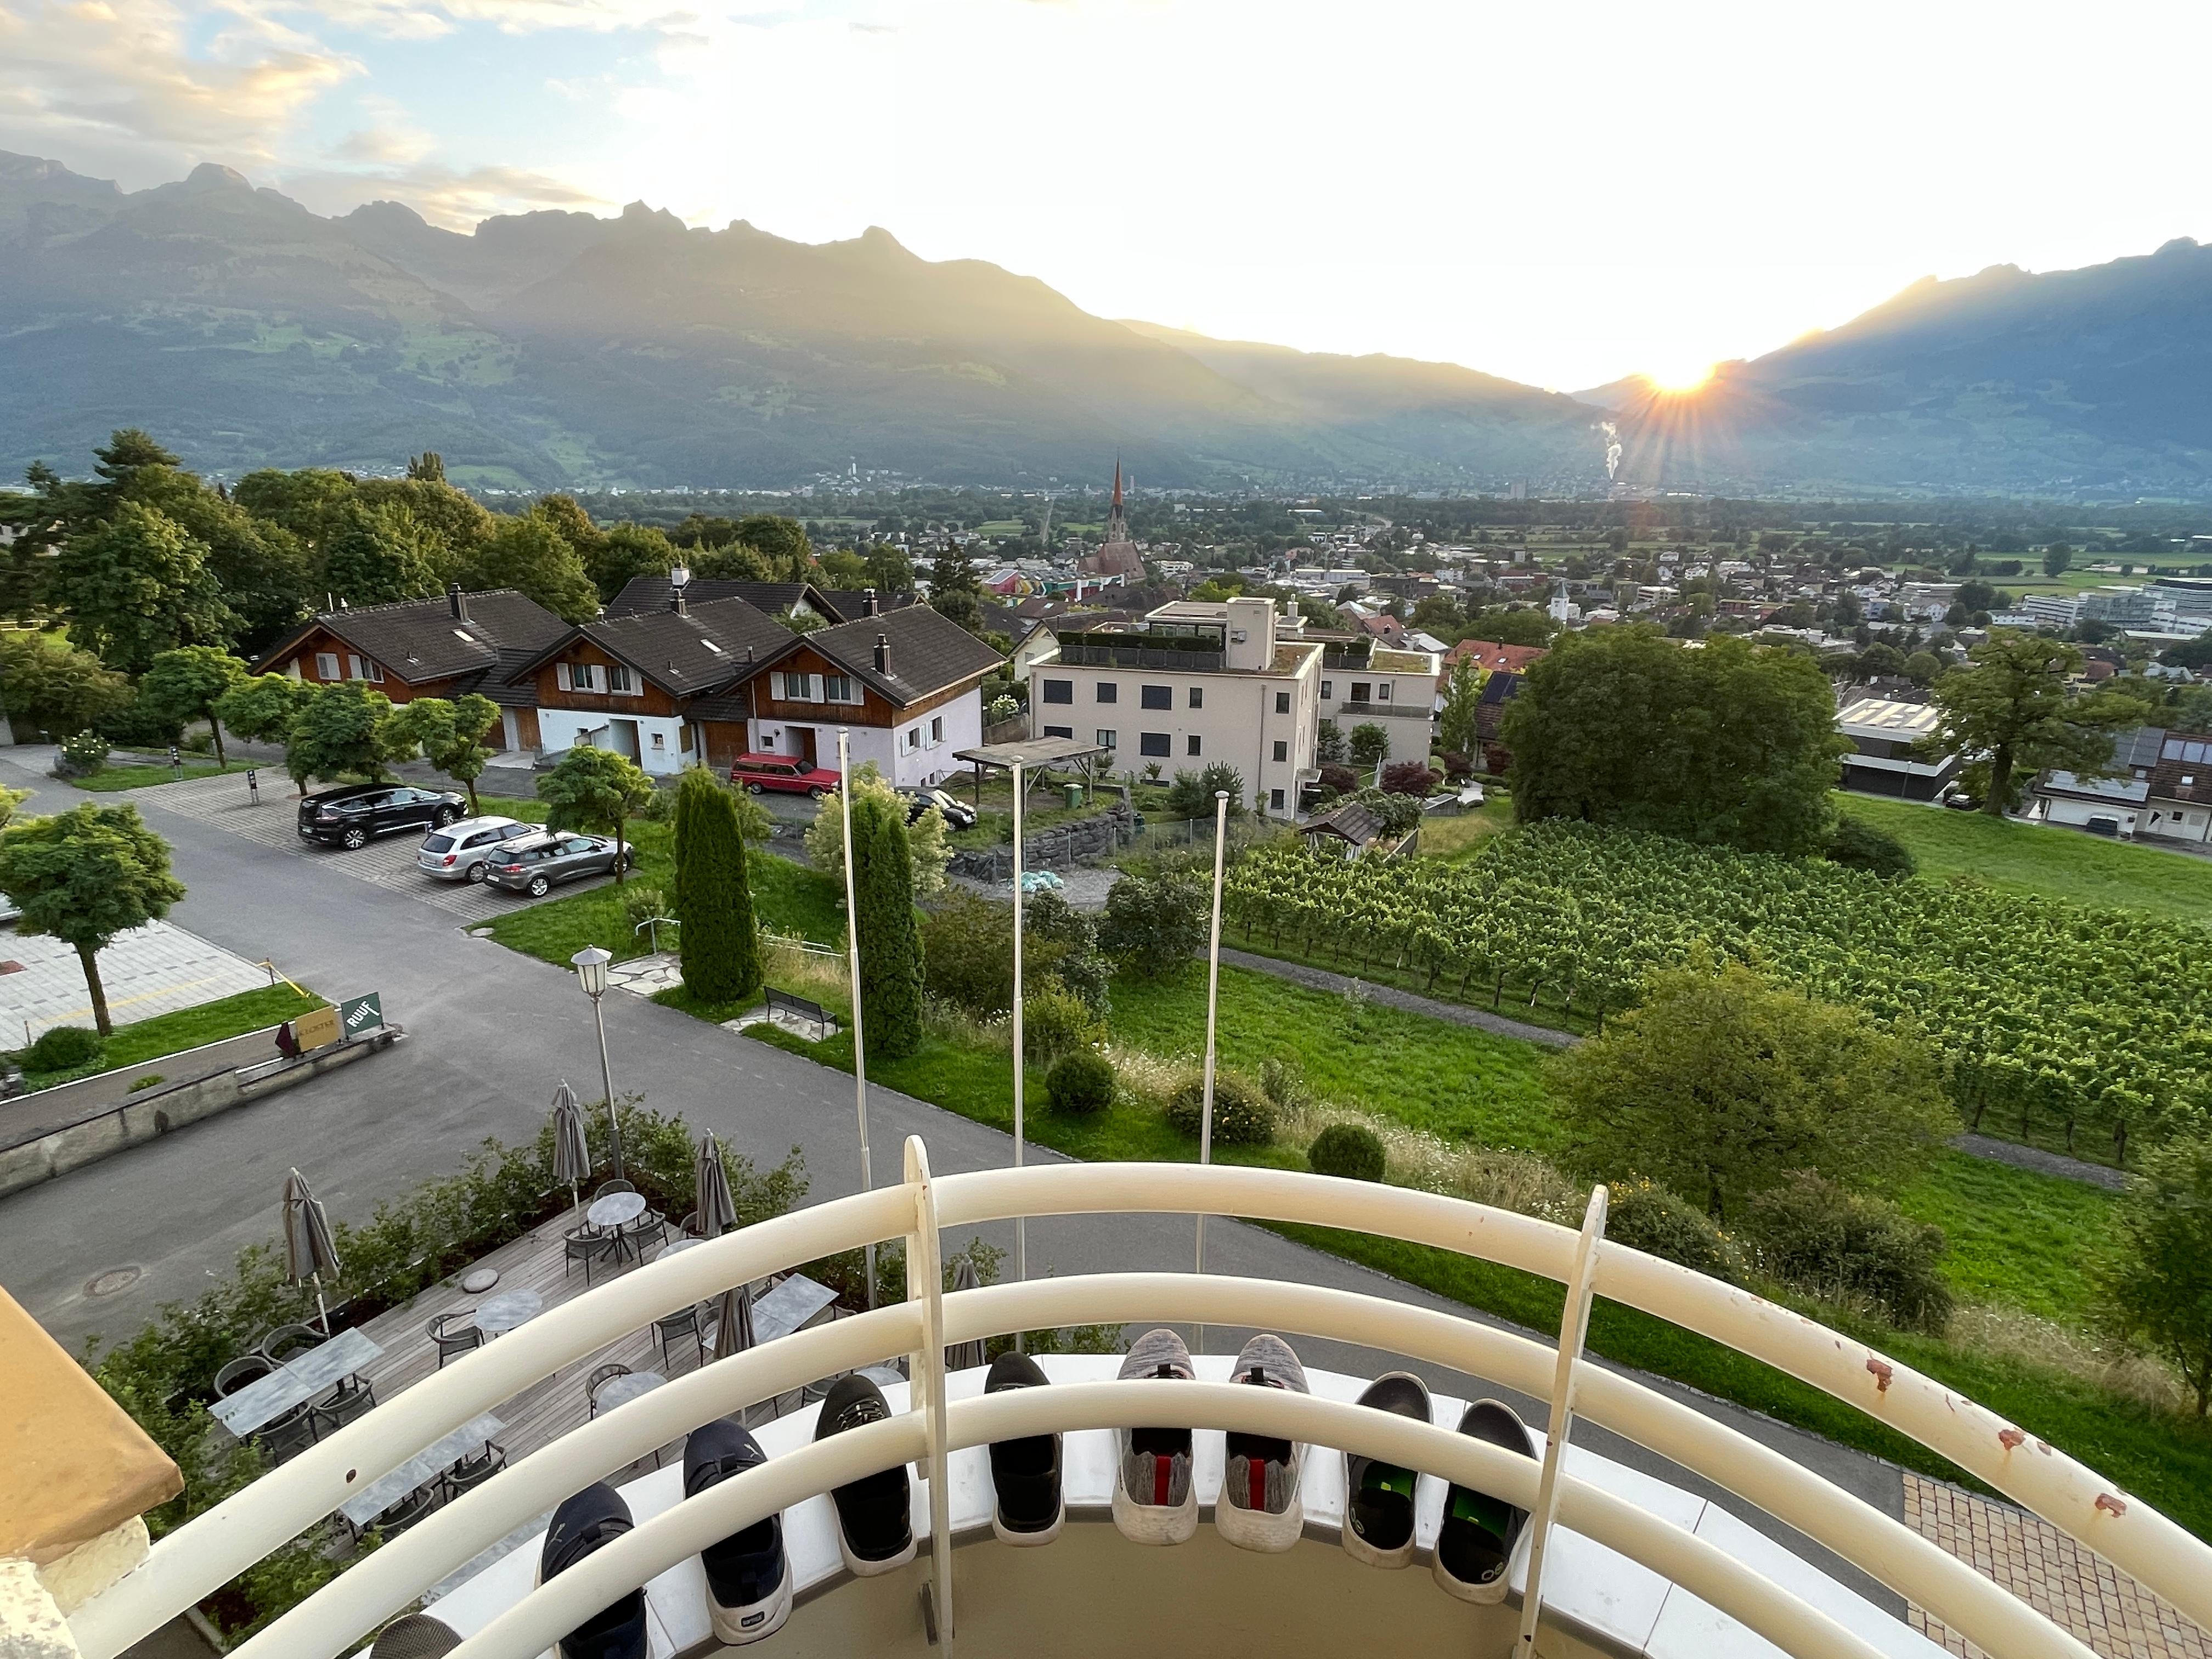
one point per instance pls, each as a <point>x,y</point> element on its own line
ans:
<point>1117,527</point>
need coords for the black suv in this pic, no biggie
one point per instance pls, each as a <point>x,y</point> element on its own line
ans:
<point>351,816</point>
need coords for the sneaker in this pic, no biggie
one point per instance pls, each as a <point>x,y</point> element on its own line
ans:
<point>415,1635</point>
<point>748,1581</point>
<point>1474,1550</point>
<point>1154,1501</point>
<point>593,1518</point>
<point>875,1529</point>
<point>1260,1507</point>
<point>1026,1473</point>
<point>1378,1503</point>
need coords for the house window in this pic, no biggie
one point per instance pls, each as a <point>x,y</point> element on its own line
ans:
<point>1158,696</point>
<point>1274,800</point>
<point>1059,731</point>
<point>937,731</point>
<point>1155,743</point>
<point>578,676</point>
<point>1198,696</point>
<point>838,688</point>
<point>1359,690</point>
<point>909,740</point>
<point>1109,692</point>
<point>683,738</point>
<point>659,741</point>
<point>354,670</point>
<point>1282,751</point>
<point>327,665</point>
<point>1060,691</point>
<point>1327,689</point>
<point>1282,702</point>
<point>796,688</point>
<point>1192,742</point>
<point>623,680</point>
<point>1383,692</point>
<point>1106,739</point>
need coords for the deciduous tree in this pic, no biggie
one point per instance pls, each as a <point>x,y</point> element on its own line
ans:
<point>596,789</point>
<point>2158,1284</point>
<point>2013,705</point>
<point>138,585</point>
<point>340,729</point>
<point>1455,725</point>
<point>376,555</point>
<point>185,684</point>
<point>51,685</point>
<point>262,709</point>
<point>450,734</point>
<point>720,940</point>
<point>85,876</point>
<point>927,851</point>
<point>530,556</point>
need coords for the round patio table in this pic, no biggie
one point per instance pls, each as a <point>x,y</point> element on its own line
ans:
<point>622,1389</point>
<point>616,1210</point>
<point>501,1313</point>
<point>676,1245</point>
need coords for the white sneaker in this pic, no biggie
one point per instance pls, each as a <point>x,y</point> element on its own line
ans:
<point>1154,1500</point>
<point>1260,1507</point>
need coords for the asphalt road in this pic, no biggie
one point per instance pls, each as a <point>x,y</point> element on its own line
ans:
<point>490,1033</point>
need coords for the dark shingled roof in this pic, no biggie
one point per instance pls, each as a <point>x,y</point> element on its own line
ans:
<point>643,593</point>
<point>422,640</point>
<point>928,652</point>
<point>699,648</point>
<point>1353,821</point>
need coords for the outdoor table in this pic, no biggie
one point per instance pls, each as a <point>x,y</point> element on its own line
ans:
<point>501,1313</point>
<point>631,1385</point>
<point>676,1246</point>
<point>434,1460</point>
<point>294,1383</point>
<point>616,1210</point>
<point>791,1306</point>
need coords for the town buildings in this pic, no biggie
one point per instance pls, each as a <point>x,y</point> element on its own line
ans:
<point>2160,786</point>
<point>1885,758</point>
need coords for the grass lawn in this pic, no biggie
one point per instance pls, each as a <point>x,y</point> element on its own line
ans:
<point>2054,862</point>
<point>1455,839</point>
<point>142,777</point>
<point>2015,1237</point>
<point>148,1040</point>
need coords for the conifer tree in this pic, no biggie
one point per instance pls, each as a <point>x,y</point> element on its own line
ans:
<point>719,943</point>
<point>890,944</point>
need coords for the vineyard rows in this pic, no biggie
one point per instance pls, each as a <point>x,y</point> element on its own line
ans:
<point>2081,1017</point>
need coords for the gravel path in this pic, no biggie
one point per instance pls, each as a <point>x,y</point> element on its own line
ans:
<point>2043,1162</point>
<point>1320,979</point>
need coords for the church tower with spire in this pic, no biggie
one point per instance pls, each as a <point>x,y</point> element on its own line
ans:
<point>1119,555</point>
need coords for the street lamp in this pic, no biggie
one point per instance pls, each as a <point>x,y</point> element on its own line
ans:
<point>591,966</point>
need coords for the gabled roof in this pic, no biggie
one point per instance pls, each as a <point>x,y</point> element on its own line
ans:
<point>1514,658</point>
<point>418,641</point>
<point>1352,821</point>
<point>642,593</point>
<point>928,652</point>
<point>702,648</point>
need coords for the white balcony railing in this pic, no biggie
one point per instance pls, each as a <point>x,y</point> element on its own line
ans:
<point>199,1557</point>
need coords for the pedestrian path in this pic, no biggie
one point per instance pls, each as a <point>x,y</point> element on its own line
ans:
<point>1321,978</point>
<point>152,970</point>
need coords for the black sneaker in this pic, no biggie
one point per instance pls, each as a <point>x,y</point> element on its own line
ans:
<point>875,1531</point>
<point>1026,1473</point>
<point>1474,1550</point>
<point>1379,1504</point>
<point>593,1518</point>
<point>748,1581</point>
<point>415,1635</point>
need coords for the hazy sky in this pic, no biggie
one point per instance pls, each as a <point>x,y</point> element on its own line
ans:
<point>1561,193</point>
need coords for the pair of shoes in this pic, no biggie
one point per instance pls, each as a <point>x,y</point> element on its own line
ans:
<point>1154,1501</point>
<point>1475,1549</point>
<point>748,1580</point>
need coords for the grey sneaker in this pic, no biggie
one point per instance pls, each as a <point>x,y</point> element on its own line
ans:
<point>1260,1507</point>
<point>1154,1501</point>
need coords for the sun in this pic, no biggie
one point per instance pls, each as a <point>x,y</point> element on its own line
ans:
<point>1683,376</point>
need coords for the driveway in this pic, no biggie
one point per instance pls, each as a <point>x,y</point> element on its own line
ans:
<point>491,1033</point>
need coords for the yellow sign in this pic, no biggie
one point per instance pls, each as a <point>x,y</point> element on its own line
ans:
<point>317,1030</point>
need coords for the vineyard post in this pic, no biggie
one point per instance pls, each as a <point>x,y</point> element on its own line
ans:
<point>1212,1005</point>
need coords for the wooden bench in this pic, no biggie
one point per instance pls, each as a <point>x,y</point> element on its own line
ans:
<point>801,1008</point>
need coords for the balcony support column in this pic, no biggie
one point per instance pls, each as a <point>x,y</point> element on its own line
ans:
<point>1574,1331</point>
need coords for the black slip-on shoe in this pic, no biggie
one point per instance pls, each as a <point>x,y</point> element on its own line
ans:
<point>590,1520</point>
<point>1025,1471</point>
<point>415,1635</point>
<point>748,1580</point>
<point>1474,1550</point>
<point>875,1529</point>
<point>1378,1497</point>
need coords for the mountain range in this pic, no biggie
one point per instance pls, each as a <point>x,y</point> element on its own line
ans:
<point>561,348</point>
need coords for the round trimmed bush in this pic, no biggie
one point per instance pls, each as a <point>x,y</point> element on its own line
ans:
<point>1645,1216</point>
<point>62,1048</point>
<point>1830,1242</point>
<point>1080,1083</point>
<point>1351,1149</point>
<point>1243,1114</point>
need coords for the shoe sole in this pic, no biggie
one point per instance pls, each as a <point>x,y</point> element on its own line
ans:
<point>1155,1523</point>
<point>729,1623</point>
<point>1359,1548</point>
<point>1005,1534</point>
<point>865,1568</point>
<point>1257,1529</point>
<point>1487,1595</point>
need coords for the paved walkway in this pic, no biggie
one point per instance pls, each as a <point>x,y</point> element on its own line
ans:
<point>152,970</point>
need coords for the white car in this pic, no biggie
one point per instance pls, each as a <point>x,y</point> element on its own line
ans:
<point>458,852</point>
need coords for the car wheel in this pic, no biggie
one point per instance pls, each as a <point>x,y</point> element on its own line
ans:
<point>442,817</point>
<point>752,789</point>
<point>539,887</point>
<point>477,871</point>
<point>815,794</point>
<point>354,839</point>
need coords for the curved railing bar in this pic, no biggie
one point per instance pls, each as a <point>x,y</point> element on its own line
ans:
<point>215,1546</point>
<point>389,1579</point>
<point>543,1617</point>
<point>2074,1498</point>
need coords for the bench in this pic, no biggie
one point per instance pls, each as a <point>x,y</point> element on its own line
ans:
<point>803,1010</point>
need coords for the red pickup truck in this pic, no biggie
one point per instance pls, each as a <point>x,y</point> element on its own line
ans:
<point>783,772</point>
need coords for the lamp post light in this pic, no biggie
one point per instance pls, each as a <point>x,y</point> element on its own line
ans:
<point>1213,1007</point>
<point>853,965</point>
<point>1021,1223</point>
<point>591,966</point>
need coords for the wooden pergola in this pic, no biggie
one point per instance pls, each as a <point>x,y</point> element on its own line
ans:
<point>1032,755</point>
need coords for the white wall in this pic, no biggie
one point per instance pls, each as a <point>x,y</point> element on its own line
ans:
<point>931,763</point>
<point>559,729</point>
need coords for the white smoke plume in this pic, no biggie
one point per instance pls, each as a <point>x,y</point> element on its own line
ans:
<point>1612,448</point>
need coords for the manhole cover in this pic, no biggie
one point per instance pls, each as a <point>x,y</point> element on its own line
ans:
<point>114,1280</point>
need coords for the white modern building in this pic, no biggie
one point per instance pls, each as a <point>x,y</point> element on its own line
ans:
<point>1884,760</point>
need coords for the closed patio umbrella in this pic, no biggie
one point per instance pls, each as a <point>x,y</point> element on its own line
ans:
<point>733,1320</point>
<point>572,1154</point>
<point>717,1209</point>
<point>309,1251</point>
<point>961,1356</point>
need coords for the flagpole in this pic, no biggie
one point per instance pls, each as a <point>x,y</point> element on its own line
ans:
<point>1213,1007</point>
<point>853,965</point>
<point>1021,1223</point>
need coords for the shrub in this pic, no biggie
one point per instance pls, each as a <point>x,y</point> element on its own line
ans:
<point>1411,777</point>
<point>1191,794</point>
<point>1351,1149</point>
<point>643,904</point>
<point>1830,1242</point>
<point>1285,1084</point>
<point>1081,1083</point>
<point>1399,812</point>
<point>1644,1216</point>
<point>1153,926</point>
<point>1857,845</point>
<point>1369,745</point>
<point>1458,768</point>
<point>1340,780</point>
<point>147,1081</point>
<point>1058,937</point>
<point>83,755</point>
<point>62,1048</point>
<point>1243,1114</point>
<point>1054,1022</point>
<point>661,808</point>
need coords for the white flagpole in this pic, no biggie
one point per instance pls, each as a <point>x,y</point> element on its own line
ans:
<point>1021,1223</point>
<point>853,965</point>
<point>1213,1007</point>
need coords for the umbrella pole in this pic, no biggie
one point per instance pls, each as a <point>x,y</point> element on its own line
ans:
<point>320,1308</point>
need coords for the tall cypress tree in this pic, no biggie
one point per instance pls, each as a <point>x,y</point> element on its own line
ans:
<point>719,945</point>
<point>890,944</point>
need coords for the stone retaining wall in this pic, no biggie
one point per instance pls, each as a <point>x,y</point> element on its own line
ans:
<point>1059,846</point>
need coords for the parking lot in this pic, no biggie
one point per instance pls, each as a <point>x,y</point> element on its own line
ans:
<point>388,862</point>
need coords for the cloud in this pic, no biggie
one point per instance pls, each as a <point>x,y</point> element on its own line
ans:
<point>416,20</point>
<point>458,199</point>
<point>121,85</point>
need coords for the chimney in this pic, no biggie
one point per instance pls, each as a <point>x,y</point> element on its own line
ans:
<point>883,653</point>
<point>457,601</point>
<point>676,601</point>
<point>868,602</point>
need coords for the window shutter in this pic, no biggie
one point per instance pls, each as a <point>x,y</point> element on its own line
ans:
<point>560,676</point>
